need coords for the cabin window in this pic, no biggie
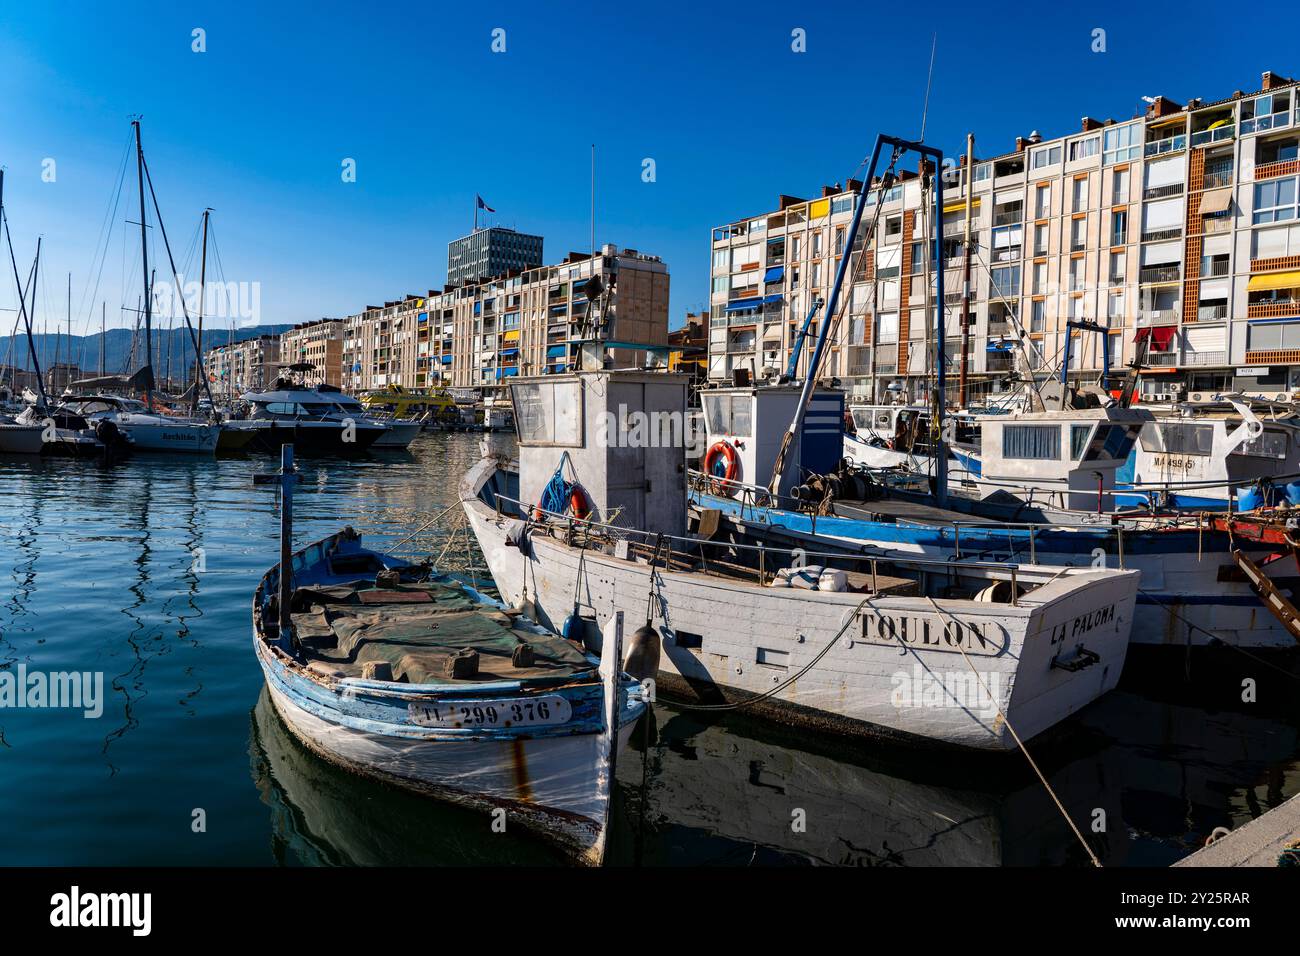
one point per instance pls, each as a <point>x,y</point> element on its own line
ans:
<point>280,408</point>
<point>548,413</point>
<point>1116,441</point>
<point>1079,440</point>
<point>1178,438</point>
<point>728,414</point>
<point>1270,444</point>
<point>1035,442</point>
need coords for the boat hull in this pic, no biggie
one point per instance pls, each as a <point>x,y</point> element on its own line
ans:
<point>739,640</point>
<point>197,438</point>
<point>1191,592</point>
<point>313,439</point>
<point>547,783</point>
<point>398,436</point>
<point>21,439</point>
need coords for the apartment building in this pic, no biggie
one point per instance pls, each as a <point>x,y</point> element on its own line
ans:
<point>248,365</point>
<point>319,342</point>
<point>492,251</point>
<point>1176,232</point>
<point>479,334</point>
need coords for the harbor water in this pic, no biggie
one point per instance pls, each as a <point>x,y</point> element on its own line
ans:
<point>143,571</point>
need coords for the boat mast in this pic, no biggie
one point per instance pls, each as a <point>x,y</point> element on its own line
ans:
<point>144,271</point>
<point>22,299</point>
<point>200,375</point>
<point>103,306</point>
<point>963,384</point>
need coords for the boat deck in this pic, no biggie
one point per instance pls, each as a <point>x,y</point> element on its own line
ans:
<point>424,633</point>
<point>1264,841</point>
<point>894,509</point>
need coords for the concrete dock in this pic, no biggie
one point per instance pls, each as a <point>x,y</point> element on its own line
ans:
<point>1258,843</point>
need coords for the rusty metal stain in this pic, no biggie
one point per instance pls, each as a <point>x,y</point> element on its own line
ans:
<point>519,764</point>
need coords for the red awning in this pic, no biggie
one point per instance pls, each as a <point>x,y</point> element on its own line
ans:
<point>1141,335</point>
<point>1162,335</point>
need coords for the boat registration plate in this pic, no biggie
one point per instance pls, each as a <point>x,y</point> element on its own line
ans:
<point>498,712</point>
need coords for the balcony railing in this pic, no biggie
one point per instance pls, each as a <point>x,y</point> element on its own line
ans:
<point>1009,218</point>
<point>1209,313</point>
<point>1216,225</point>
<point>1216,270</point>
<point>1205,358</point>
<point>1218,177</point>
<point>1161,235</point>
<point>1258,124</point>
<point>1273,310</point>
<point>1171,144</point>
<point>1151,274</point>
<point>1158,317</point>
<point>1163,192</point>
<point>1160,359</point>
<point>1206,136</point>
<point>859,371</point>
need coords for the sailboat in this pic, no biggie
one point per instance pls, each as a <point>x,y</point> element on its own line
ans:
<point>144,421</point>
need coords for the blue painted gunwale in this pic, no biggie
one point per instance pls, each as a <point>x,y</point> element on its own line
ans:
<point>381,707</point>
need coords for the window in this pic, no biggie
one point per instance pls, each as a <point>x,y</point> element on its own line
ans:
<point>1275,201</point>
<point>1038,315</point>
<point>1275,241</point>
<point>1270,444</point>
<point>1031,442</point>
<point>1042,202</point>
<point>1121,144</point>
<point>1178,438</point>
<point>1040,240</point>
<point>1079,435</point>
<point>1078,234</point>
<point>794,248</point>
<point>1119,227</point>
<point>1270,336</point>
<point>1076,274</point>
<point>1119,186</point>
<point>817,243</point>
<point>1040,278</point>
<point>887,329</point>
<point>548,413</point>
<point>728,414</point>
<point>839,240</point>
<point>1083,148</point>
<point>1118,267</point>
<point>1272,110</point>
<point>721,283</point>
<point>1005,281</point>
<point>893,228</point>
<point>1115,307</point>
<point>1080,194</point>
<point>1047,156</point>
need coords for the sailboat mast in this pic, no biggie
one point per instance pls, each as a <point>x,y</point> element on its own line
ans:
<point>199,373</point>
<point>103,308</point>
<point>144,271</point>
<point>22,298</point>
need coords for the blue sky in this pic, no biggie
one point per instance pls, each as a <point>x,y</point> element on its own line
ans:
<point>257,126</point>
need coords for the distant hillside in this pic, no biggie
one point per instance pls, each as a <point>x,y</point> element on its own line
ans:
<point>117,348</point>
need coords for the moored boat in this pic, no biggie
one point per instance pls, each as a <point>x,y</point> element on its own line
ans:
<point>396,672</point>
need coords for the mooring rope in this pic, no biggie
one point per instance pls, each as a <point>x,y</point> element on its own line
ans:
<point>1016,737</point>
<point>737,705</point>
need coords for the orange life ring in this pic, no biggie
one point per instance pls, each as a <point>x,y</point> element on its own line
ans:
<point>579,504</point>
<point>730,472</point>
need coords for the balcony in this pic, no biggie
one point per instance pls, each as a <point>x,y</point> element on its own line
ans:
<point>1163,192</point>
<point>1211,313</point>
<point>1206,137</point>
<point>1217,269</point>
<point>1156,274</point>
<point>1217,224</point>
<point>1205,358</point>
<point>1009,218</point>
<point>1219,174</point>
<point>1158,317</point>
<point>1286,167</point>
<point>1275,309</point>
<point>1257,124</point>
<point>1160,359</point>
<point>1170,144</point>
<point>1162,235</point>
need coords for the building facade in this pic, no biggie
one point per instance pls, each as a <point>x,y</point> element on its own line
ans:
<point>248,365</point>
<point>492,251</point>
<point>319,343</point>
<point>479,335</point>
<point>1173,237</point>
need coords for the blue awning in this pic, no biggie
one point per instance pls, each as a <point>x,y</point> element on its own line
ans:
<point>774,274</point>
<point>507,372</point>
<point>999,347</point>
<point>775,297</point>
<point>509,351</point>
<point>742,305</point>
<point>445,359</point>
<point>555,351</point>
<point>422,317</point>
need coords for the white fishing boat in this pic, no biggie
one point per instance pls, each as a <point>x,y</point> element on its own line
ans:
<point>393,671</point>
<point>16,439</point>
<point>861,651</point>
